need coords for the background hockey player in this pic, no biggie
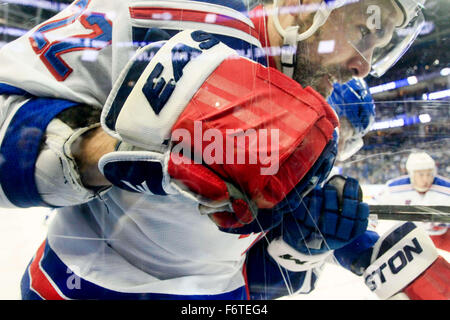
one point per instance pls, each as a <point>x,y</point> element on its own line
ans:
<point>424,187</point>
<point>134,222</point>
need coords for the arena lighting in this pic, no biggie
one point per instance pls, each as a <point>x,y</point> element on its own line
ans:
<point>424,118</point>
<point>401,122</point>
<point>393,123</point>
<point>15,32</point>
<point>408,81</point>
<point>394,85</point>
<point>383,87</point>
<point>43,4</point>
<point>436,95</point>
<point>412,80</point>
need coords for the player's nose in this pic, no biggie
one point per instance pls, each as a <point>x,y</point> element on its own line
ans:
<point>359,65</point>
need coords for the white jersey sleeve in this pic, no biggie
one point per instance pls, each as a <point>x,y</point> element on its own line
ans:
<point>73,59</point>
<point>78,54</point>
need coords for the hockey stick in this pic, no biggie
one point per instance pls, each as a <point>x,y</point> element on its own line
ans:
<point>411,213</point>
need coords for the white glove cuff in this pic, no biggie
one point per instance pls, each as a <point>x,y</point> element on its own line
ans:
<point>57,178</point>
<point>293,260</point>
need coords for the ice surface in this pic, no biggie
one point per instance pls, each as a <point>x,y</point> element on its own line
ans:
<point>22,231</point>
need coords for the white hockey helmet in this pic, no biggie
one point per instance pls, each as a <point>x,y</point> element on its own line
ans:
<point>382,58</point>
<point>420,161</point>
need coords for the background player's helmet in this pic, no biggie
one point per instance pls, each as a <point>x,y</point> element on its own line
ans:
<point>382,58</point>
<point>353,101</point>
<point>420,161</point>
<point>421,180</point>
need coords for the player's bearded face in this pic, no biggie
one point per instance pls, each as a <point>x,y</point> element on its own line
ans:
<point>312,69</point>
<point>343,46</point>
<point>312,73</point>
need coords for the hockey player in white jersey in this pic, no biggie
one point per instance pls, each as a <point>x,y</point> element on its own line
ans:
<point>97,100</point>
<point>424,187</point>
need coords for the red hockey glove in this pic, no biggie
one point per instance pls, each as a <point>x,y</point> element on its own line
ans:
<point>220,129</point>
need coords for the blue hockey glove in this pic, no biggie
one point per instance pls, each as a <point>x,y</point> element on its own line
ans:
<point>328,218</point>
<point>353,101</point>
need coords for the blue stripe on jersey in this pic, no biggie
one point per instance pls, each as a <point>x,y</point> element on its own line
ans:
<point>20,148</point>
<point>441,182</point>
<point>27,293</point>
<point>61,276</point>
<point>8,89</point>
<point>400,181</point>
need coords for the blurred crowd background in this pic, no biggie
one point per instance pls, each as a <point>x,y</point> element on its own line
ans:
<point>412,99</point>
